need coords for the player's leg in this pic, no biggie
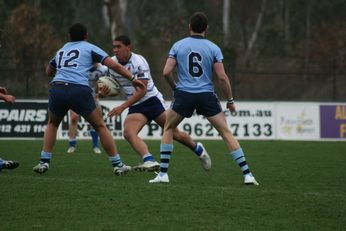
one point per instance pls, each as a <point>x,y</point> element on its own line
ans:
<point>49,137</point>
<point>95,136</point>
<point>236,152</point>
<point>133,124</point>
<point>185,139</point>
<point>95,141</point>
<point>72,132</point>
<point>96,120</point>
<point>84,104</point>
<point>166,147</point>
<point>58,105</point>
<point>49,140</point>
<point>183,106</point>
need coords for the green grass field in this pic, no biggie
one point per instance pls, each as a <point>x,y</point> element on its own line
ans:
<point>302,187</point>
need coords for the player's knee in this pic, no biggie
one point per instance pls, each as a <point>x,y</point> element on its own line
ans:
<point>178,135</point>
<point>128,134</point>
<point>54,122</point>
<point>99,127</point>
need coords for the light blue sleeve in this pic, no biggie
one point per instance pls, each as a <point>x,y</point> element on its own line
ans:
<point>98,55</point>
<point>173,51</point>
<point>218,57</point>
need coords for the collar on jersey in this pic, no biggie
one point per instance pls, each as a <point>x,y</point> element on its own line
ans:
<point>197,36</point>
<point>126,62</point>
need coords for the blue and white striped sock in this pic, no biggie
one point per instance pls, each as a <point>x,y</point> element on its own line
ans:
<point>116,161</point>
<point>94,137</point>
<point>239,158</point>
<point>72,142</point>
<point>45,157</point>
<point>165,155</point>
<point>148,157</point>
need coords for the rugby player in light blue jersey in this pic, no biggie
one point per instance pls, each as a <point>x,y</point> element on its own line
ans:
<point>144,106</point>
<point>196,58</point>
<point>70,90</point>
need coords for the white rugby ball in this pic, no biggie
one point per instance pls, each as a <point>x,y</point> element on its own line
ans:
<point>111,83</point>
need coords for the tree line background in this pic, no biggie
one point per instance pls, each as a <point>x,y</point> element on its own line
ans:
<point>273,49</point>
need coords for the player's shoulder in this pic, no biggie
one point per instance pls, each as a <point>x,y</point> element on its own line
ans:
<point>92,47</point>
<point>212,44</point>
<point>181,41</point>
<point>138,59</point>
<point>135,56</point>
<point>114,58</point>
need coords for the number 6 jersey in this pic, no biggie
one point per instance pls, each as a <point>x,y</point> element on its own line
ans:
<point>195,58</point>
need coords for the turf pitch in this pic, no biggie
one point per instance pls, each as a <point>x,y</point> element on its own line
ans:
<point>302,187</point>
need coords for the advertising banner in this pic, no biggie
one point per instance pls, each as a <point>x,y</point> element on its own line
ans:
<point>252,120</point>
<point>297,121</point>
<point>333,121</point>
<point>25,119</point>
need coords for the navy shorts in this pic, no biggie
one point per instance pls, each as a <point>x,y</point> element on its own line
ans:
<point>151,108</point>
<point>205,103</point>
<point>65,96</point>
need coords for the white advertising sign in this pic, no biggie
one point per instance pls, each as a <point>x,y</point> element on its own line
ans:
<point>252,120</point>
<point>298,121</point>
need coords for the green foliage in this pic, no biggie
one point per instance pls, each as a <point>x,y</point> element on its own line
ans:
<point>22,31</point>
<point>301,188</point>
<point>283,44</point>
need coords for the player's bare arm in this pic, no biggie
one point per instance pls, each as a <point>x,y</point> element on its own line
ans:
<point>4,96</point>
<point>7,98</point>
<point>3,90</point>
<point>139,92</point>
<point>224,84</point>
<point>110,63</point>
<point>168,72</point>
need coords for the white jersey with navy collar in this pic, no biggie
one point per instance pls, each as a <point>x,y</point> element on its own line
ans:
<point>138,66</point>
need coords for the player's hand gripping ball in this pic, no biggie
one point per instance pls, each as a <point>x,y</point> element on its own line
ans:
<point>112,84</point>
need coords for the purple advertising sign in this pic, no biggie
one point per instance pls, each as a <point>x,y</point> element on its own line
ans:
<point>333,121</point>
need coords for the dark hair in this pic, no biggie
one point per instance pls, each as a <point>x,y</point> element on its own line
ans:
<point>124,39</point>
<point>77,32</point>
<point>198,22</point>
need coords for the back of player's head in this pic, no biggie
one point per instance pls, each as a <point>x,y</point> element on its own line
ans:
<point>77,32</point>
<point>123,39</point>
<point>198,22</point>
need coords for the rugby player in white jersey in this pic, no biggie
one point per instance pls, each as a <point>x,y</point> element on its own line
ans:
<point>145,105</point>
